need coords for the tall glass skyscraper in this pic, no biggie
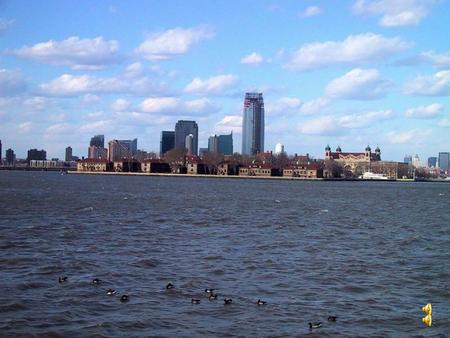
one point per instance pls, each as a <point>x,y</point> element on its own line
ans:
<point>167,141</point>
<point>183,129</point>
<point>444,160</point>
<point>253,124</point>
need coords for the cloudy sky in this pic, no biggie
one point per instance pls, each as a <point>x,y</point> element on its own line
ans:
<point>347,73</point>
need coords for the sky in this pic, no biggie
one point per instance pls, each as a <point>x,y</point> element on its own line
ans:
<point>348,73</point>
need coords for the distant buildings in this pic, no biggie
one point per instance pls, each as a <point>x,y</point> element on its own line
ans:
<point>95,152</point>
<point>10,157</point>
<point>1,154</point>
<point>432,161</point>
<point>253,124</point>
<point>37,155</point>
<point>226,144</point>
<point>213,144</point>
<point>167,142</point>
<point>182,130</point>
<point>68,157</point>
<point>121,149</point>
<point>98,141</point>
<point>416,161</point>
<point>279,149</point>
<point>408,159</point>
<point>189,144</point>
<point>444,160</point>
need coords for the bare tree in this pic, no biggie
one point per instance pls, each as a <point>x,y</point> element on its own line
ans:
<point>176,159</point>
<point>281,161</point>
<point>333,168</point>
<point>212,160</point>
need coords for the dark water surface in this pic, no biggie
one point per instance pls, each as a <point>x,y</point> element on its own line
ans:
<point>370,253</point>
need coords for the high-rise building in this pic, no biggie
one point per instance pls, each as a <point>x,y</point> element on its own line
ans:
<point>120,149</point>
<point>408,159</point>
<point>98,153</point>
<point>1,154</point>
<point>226,144</point>
<point>183,129</point>
<point>213,144</point>
<point>416,161</point>
<point>444,160</point>
<point>189,144</point>
<point>432,161</point>
<point>68,154</point>
<point>98,141</point>
<point>167,142</point>
<point>10,157</point>
<point>253,124</point>
<point>38,155</point>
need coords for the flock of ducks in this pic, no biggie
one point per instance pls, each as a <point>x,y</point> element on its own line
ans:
<point>209,293</point>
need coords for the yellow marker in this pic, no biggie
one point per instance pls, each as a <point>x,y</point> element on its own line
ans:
<point>427,309</point>
<point>427,320</point>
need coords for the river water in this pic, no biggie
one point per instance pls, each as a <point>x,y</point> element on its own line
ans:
<point>370,253</point>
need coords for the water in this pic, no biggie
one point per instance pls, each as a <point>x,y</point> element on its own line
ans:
<point>370,253</point>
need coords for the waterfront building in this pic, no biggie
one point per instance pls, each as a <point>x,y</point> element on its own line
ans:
<point>97,152</point>
<point>182,130</point>
<point>253,124</point>
<point>265,170</point>
<point>354,162</point>
<point>213,144</point>
<point>195,166</point>
<point>444,160</point>
<point>120,149</point>
<point>226,144</point>
<point>416,161</point>
<point>46,164</point>
<point>34,154</point>
<point>279,149</point>
<point>127,165</point>
<point>305,170</point>
<point>189,144</point>
<point>392,170</point>
<point>98,141</point>
<point>228,168</point>
<point>155,166</point>
<point>202,151</point>
<point>167,142</point>
<point>432,162</point>
<point>408,159</point>
<point>1,152</point>
<point>68,156</point>
<point>93,164</point>
<point>10,157</point>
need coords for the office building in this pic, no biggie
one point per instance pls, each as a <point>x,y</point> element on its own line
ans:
<point>167,142</point>
<point>416,161</point>
<point>183,129</point>
<point>1,154</point>
<point>97,153</point>
<point>98,141</point>
<point>68,154</point>
<point>213,144</point>
<point>432,161</point>
<point>444,160</point>
<point>407,159</point>
<point>38,155</point>
<point>253,124</point>
<point>10,157</point>
<point>121,149</point>
<point>189,144</point>
<point>226,144</point>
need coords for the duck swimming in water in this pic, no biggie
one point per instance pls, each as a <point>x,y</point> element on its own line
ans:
<point>332,318</point>
<point>96,281</point>
<point>111,292</point>
<point>195,301</point>
<point>315,325</point>
<point>261,302</point>
<point>124,298</point>
<point>62,279</point>
<point>228,301</point>
<point>209,290</point>
<point>212,296</point>
<point>170,286</point>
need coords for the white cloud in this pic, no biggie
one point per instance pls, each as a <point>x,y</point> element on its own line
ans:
<point>252,59</point>
<point>173,42</point>
<point>355,49</point>
<point>358,84</point>
<point>120,105</point>
<point>435,85</point>
<point>407,136</point>
<point>284,105</point>
<point>36,103</point>
<point>90,99</point>
<point>73,52</point>
<point>173,105</point>
<point>25,127</point>
<point>229,123</point>
<point>333,125</point>
<point>314,106</point>
<point>444,123</point>
<point>102,126</point>
<point>11,83</point>
<point>311,11</point>
<point>429,111</point>
<point>213,85</point>
<point>395,13</point>
<point>438,60</point>
<point>58,129</point>
<point>5,24</point>
<point>134,70</point>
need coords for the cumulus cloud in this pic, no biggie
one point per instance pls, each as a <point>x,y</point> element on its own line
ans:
<point>73,52</point>
<point>314,106</point>
<point>11,82</point>
<point>252,59</point>
<point>25,127</point>
<point>36,103</point>
<point>284,105</point>
<point>102,126</point>
<point>333,125</point>
<point>435,85</point>
<point>444,123</point>
<point>213,85</point>
<point>120,105</point>
<point>395,13</point>
<point>406,136</point>
<point>176,106</point>
<point>172,42</point>
<point>229,123</point>
<point>358,84</point>
<point>438,60</point>
<point>424,112</point>
<point>355,49</point>
<point>311,11</point>
<point>58,129</point>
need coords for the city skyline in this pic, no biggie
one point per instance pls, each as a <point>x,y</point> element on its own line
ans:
<point>360,73</point>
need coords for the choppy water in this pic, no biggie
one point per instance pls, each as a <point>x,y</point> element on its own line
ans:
<point>370,253</point>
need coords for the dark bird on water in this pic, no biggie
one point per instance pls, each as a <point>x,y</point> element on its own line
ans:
<point>212,296</point>
<point>209,290</point>
<point>124,298</point>
<point>195,301</point>
<point>170,286</point>
<point>332,318</point>
<point>315,325</point>
<point>62,279</point>
<point>228,301</point>
<point>96,281</point>
<point>261,302</point>
<point>111,292</point>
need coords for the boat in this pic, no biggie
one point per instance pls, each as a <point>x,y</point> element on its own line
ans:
<point>372,176</point>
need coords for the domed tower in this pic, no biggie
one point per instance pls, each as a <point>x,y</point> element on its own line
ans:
<point>338,149</point>
<point>368,152</point>
<point>378,153</point>
<point>328,152</point>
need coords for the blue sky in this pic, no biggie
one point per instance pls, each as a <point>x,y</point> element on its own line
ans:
<point>347,73</point>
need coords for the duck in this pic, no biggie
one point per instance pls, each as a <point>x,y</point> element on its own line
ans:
<point>195,301</point>
<point>212,296</point>
<point>228,301</point>
<point>96,281</point>
<point>110,292</point>
<point>124,298</point>
<point>209,290</point>
<point>315,325</point>
<point>170,286</point>
<point>332,318</point>
<point>261,302</point>
<point>62,279</point>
